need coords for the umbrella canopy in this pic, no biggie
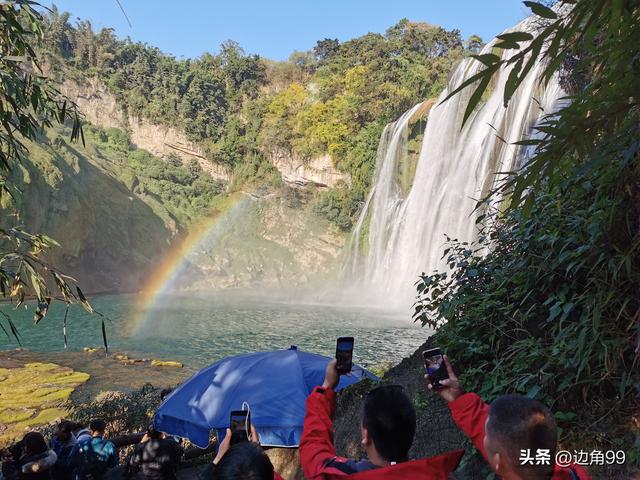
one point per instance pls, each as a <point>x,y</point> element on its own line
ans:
<point>275,385</point>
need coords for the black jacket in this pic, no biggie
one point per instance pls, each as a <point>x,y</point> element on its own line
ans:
<point>156,459</point>
<point>37,467</point>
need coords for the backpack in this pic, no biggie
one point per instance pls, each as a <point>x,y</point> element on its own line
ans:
<point>93,458</point>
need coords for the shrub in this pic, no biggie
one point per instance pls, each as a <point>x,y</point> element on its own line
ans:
<point>548,305</point>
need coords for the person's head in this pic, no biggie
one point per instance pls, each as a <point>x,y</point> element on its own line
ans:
<point>164,392</point>
<point>244,461</point>
<point>33,443</point>
<point>516,424</point>
<point>388,424</point>
<point>97,426</point>
<point>64,430</point>
<point>153,433</point>
<point>76,426</point>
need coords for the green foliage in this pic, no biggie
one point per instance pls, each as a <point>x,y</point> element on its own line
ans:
<point>547,302</point>
<point>242,108</point>
<point>257,172</point>
<point>204,104</point>
<point>552,310</point>
<point>339,206</point>
<point>186,191</point>
<point>28,103</point>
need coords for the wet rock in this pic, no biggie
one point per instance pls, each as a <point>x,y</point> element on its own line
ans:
<point>166,363</point>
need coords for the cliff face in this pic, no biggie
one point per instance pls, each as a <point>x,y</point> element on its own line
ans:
<point>117,212</point>
<point>115,225</point>
<point>270,242</point>
<point>109,236</point>
<point>317,171</point>
<point>100,107</point>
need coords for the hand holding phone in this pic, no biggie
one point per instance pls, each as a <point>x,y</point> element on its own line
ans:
<point>344,355</point>
<point>447,387</point>
<point>435,366</point>
<point>240,425</point>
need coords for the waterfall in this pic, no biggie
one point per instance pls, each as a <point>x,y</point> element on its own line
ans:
<point>456,167</point>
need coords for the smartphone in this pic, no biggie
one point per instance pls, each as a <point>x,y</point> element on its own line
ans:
<point>240,424</point>
<point>435,366</point>
<point>344,355</point>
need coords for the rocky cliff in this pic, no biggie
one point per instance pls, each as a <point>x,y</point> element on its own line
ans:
<point>109,236</point>
<point>317,171</point>
<point>100,107</point>
<point>268,242</point>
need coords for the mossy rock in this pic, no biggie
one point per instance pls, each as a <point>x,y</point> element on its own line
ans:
<point>33,396</point>
<point>167,363</point>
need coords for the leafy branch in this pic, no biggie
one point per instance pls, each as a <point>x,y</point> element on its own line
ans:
<point>29,103</point>
<point>586,44</point>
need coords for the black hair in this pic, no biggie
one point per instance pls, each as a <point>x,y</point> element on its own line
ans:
<point>34,443</point>
<point>519,423</point>
<point>164,392</point>
<point>98,425</point>
<point>244,461</point>
<point>153,432</point>
<point>390,419</point>
<point>65,426</point>
<point>76,425</point>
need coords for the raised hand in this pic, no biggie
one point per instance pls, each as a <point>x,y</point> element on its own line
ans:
<point>224,447</point>
<point>450,388</point>
<point>331,375</point>
<point>254,437</point>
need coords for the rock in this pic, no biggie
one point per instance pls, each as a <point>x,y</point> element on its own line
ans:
<point>33,396</point>
<point>166,363</point>
<point>318,171</point>
<point>101,108</point>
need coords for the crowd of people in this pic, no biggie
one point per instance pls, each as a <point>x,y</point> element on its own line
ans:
<point>501,431</point>
<point>74,453</point>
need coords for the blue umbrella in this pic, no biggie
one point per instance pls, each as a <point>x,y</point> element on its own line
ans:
<point>275,385</point>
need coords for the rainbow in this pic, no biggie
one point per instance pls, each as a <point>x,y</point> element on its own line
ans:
<point>164,277</point>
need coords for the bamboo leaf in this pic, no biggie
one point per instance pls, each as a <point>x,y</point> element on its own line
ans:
<point>5,331</point>
<point>83,300</point>
<point>507,45</point>
<point>487,59</point>
<point>541,10</point>
<point>512,82</point>
<point>489,71</point>
<point>64,326</point>
<point>104,337</point>
<point>12,327</point>
<point>475,98</point>
<point>515,37</point>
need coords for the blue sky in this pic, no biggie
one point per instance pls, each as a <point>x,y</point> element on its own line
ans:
<point>274,28</point>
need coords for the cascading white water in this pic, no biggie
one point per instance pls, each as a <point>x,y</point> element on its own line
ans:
<point>456,167</point>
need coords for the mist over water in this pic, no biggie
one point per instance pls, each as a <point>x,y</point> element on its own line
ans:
<point>200,329</point>
<point>405,233</point>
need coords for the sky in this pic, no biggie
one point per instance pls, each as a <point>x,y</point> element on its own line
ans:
<point>275,28</point>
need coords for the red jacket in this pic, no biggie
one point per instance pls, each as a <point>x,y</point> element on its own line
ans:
<point>470,413</point>
<point>318,454</point>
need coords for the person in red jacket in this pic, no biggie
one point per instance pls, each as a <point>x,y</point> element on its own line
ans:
<point>387,430</point>
<point>516,435</point>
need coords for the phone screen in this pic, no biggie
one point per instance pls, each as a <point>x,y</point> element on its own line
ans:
<point>435,366</point>
<point>239,425</point>
<point>344,354</point>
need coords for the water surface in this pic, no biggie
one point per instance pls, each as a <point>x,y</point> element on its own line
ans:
<point>200,329</point>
